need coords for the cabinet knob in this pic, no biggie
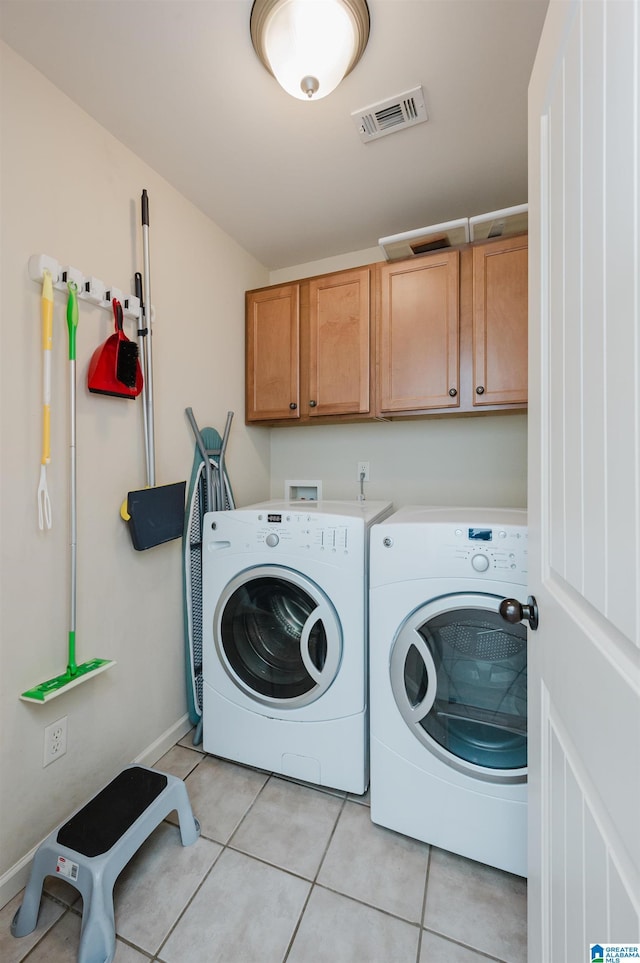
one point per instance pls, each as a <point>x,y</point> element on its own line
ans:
<point>479,390</point>
<point>293,406</point>
<point>453,392</point>
<point>312,404</point>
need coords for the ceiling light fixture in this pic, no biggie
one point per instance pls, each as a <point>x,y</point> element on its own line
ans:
<point>309,45</point>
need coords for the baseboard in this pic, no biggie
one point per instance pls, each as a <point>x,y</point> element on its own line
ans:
<point>168,739</point>
<point>17,876</point>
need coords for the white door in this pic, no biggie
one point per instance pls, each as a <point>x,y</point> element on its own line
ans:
<point>584,490</point>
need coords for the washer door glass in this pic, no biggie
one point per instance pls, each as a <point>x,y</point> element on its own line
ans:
<point>459,677</point>
<point>278,636</point>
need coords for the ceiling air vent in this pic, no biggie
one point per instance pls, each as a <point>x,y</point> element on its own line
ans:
<point>391,115</point>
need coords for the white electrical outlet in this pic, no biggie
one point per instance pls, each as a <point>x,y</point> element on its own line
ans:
<point>55,741</point>
<point>363,467</point>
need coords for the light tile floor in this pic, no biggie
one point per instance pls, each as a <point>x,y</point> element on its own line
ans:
<point>285,871</point>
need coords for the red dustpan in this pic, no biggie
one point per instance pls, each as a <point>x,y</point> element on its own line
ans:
<point>114,368</point>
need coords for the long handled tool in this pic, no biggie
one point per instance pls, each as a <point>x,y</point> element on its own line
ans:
<point>75,673</point>
<point>154,514</point>
<point>148,357</point>
<point>143,331</point>
<point>44,503</point>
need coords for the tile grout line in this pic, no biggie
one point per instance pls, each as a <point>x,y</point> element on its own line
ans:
<point>361,902</point>
<point>229,846</point>
<point>223,847</point>
<point>313,883</point>
<point>252,804</point>
<point>424,904</point>
<point>49,928</point>
<point>466,946</point>
<point>184,909</point>
<point>449,939</point>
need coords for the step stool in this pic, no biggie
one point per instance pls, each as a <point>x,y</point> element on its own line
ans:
<point>96,843</point>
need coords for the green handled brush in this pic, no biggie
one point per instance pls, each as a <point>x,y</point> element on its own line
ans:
<point>75,673</point>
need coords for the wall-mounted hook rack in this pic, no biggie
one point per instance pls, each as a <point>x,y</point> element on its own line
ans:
<point>90,288</point>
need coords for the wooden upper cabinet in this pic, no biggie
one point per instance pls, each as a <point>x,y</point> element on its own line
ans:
<point>418,334</point>
<point>308,349</point>
<point>339,344</point>
<point>500,315</point>
<point>273,354</point>
<point>450,336</point>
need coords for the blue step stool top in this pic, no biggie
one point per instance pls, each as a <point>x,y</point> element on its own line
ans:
<point>96,843</point>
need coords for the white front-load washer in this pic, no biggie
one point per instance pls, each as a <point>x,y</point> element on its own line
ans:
<point>285,604</point>
<point>448,681</point>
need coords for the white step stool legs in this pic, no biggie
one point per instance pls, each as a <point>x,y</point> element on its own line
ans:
<point>92,848</point>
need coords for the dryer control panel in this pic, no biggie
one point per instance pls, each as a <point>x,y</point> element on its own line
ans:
<point>450,550</point>
<point>492,550</point>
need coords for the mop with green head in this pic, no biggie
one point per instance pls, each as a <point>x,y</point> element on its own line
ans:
<point>75,673</point>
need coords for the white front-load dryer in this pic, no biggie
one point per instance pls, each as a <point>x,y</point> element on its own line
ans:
<point>448,681</point>
<point>285,605</point>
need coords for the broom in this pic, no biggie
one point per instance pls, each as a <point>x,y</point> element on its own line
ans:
<point>75,673</point>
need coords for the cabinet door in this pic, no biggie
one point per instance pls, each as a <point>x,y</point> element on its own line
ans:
<point>339,344</point>
<point>419,334</point>
<point>272,354</point>
<point>500,322</point>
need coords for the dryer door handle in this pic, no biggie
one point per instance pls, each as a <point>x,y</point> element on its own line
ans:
<point>413,713</point>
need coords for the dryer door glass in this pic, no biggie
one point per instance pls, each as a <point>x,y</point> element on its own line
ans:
<point>479,713</point>
<point>278,639</point>
<point>459,678</point>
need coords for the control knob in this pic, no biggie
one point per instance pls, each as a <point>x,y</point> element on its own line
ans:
<point>480,563</point>
<point>272,539</point>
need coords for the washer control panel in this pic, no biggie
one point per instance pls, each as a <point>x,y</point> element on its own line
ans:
<point>294,528</point>
<point>285,533</point>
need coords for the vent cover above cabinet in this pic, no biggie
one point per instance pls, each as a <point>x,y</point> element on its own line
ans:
<point>396,247</point>
<point>510,220</point>
<point>391,115</point>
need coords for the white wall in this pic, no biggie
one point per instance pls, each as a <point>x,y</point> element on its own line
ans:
<point>338,263</point>
<point>70,190</point>
<point>445,461</point>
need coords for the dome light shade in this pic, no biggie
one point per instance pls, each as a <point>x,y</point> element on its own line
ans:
<point>309,45</point>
